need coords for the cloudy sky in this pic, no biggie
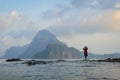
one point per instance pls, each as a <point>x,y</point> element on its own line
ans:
<point>95,23</point>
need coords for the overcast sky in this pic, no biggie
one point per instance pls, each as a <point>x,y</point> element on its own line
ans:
<point>95,23</point>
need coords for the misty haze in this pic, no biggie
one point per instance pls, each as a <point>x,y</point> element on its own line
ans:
<point>59,40</point>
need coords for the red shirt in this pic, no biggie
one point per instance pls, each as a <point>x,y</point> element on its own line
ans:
<point>85,51</point>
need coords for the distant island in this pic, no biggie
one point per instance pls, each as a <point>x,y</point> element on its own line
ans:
<point>45,45</point>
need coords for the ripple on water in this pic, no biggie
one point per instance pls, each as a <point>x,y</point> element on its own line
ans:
<point>70,73</point>
<point>104,78</point>
<point>88,66</point>
<point>61,71</point>
<point>33,77</point>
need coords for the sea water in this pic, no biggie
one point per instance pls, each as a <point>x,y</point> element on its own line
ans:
<point>68,70</point>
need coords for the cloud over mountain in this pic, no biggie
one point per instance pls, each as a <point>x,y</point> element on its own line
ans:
<point>64,18</point>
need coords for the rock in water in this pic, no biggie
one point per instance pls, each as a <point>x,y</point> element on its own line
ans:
<point>13,59</point>
<point>34,62</point>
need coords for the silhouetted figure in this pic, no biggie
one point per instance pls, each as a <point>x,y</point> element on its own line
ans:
<point>85,52</point>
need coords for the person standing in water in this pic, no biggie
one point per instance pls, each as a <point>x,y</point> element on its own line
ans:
<point>85,52</point>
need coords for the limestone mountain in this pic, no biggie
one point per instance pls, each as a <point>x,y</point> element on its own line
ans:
<point>44,45</point>
<point>15,51</point>
<point>56,51</point>
<point>39,43</point>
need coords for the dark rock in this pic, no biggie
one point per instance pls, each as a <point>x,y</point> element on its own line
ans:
<point>99,60</point>
<point>13,59</point>
<point>40,62</point>
<point>116,59</point>
<point>60,60</point>
<point>110,60</point>
<point>34,62</point>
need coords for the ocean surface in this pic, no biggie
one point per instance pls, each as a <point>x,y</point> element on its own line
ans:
<point>68,70</point>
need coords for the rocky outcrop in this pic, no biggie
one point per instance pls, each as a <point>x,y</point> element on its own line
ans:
<point>110,60</point>
<point>60,60</point>
<point>13,60</point>
<point>34,62</point>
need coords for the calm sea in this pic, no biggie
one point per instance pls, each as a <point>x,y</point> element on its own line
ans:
<point>69,70</point>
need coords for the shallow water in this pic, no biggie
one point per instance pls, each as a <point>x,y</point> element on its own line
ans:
<point>69,70</point>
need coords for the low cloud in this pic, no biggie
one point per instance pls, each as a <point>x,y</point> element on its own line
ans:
<point>117,5</point>
<point>101,4</point>
<point>99,43</point>
<point>86,21</point>
<point>110,19</point>
<point>16,25</point>
<point>80,17</point>
<point>5,21</point>
<point>15,29</point>
<point>9,20</point>
<point>16,14</point>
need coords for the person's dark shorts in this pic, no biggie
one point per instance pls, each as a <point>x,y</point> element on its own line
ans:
<point>85,54</point>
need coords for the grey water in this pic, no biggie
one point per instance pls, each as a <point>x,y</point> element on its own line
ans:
<point>68,70</point>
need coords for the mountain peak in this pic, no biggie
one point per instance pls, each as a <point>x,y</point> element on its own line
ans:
<point>44,32</point>
<point>44,36</point>
<point>39,43</point>
<point>42,39</point>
